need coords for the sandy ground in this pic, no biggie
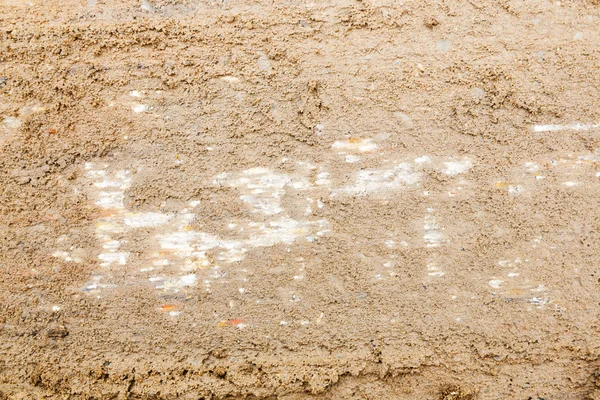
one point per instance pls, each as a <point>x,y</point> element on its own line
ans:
<point>299,200</point>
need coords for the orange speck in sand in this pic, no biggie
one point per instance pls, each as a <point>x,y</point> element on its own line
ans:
<point>231,322</point>
<point>503,185</point>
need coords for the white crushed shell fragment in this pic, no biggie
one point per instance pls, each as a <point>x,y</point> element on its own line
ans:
<point>109,258</point>
<point>323,179</point>
<point>532,167</point>
<point>457,167</point>
<point>188,280</point>
<point>433,238</point>
<point>320,318</point>
<point>514,190</point>
<point>230,79</point>
<point>355,144</point>
<point>146,6</point>
<point>140,108</point>
<point>112,244</point>
<point>434,270</point>
<point>495,283</point>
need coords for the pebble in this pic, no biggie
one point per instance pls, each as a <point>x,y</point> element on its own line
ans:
<point>57,332</point>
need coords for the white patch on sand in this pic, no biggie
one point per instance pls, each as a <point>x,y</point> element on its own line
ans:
<point>12,122</point>
<point>263,62</point>
<point>229,79</point>
<point>434,270</point>
<point>495,283</point>
<point>578,126</point>
<point>146,220</point>
<point>192,244</point>
<point>377,180</point>
<point>457,167</point>
<point>62,254</point>
<point>110,200</point>
<point>113,258</point>
<point>532,167</point>
<point>75,255</point>
<point>146,6</point>
<point>323,179</point>
<point>140,108</point>
<point>177,284</point>
<point>519,288</point>
<point>112,245</point>
<point>515,190</point>
<point>432,237</point>
<point>174,252</point>
<point>355,145</point>
<point>262,188</point>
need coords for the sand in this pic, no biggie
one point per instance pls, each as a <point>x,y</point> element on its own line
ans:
<point>299,200</point>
